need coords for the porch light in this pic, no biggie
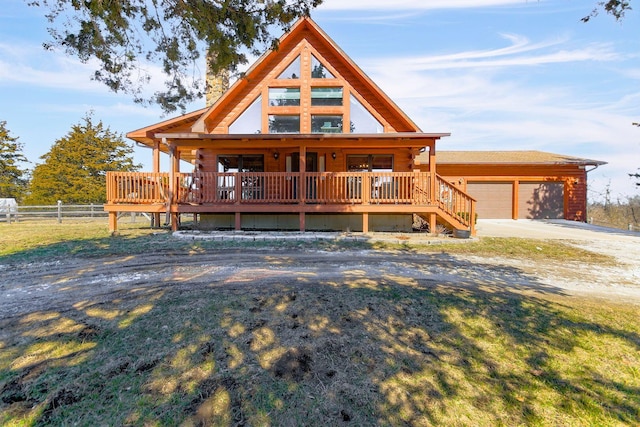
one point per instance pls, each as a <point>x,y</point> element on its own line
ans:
<point>333,155</point>
<point>276,155</point>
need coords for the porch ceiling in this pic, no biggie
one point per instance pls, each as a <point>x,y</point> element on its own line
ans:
<point>378,140</point>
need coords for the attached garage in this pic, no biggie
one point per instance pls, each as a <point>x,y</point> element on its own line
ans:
<point>494,199</point>
<point>518,184</point>
<point>541,200</point>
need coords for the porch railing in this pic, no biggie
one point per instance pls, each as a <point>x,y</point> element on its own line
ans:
<point>309,187</point>
<point>137,187</point>
<point>406,188</point>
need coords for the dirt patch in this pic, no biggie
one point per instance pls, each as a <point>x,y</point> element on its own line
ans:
<point>294,365</point>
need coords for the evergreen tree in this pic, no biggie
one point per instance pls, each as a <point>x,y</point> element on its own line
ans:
<point>615,8</point>
<point>13,180</point>
<point>172,34</point>
<point>74,170</point>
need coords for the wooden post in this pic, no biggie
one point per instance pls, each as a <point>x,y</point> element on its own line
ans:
<point>113,221</point>
<point>365,222</point>
<point>432,172</point>
<point>59,211</point>
<point>366,188</point>
<point>156,157</point>
<point>473,219</point>
<point>172,182</point>
<point>155,218</point>
<point>433,222</point>
<point>302,221</point>
<point>514,199</point>
<point>238,221</point>
<point>174,221</point>
<point>302,195</point>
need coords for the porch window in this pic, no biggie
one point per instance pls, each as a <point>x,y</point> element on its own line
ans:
<point>382,187</point>
<point>284,97</point>
<point>370,163</point>
<point>284,124</point>
<point>252,186</point>
<point>318,70</point>
<point>250,121</point>
<point>326,124</point>
<point>292,71</point>
<point>241,163</point>
<point>323,96</point>
<point>362,121</point>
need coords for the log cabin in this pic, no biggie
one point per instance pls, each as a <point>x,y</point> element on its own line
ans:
<point>304,141</point>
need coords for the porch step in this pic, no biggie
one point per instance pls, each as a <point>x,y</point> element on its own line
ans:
<point>447,220</point>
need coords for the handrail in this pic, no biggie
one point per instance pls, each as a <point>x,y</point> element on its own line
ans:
<point>456,203</point>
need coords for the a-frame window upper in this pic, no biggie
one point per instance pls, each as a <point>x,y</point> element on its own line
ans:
<point>292,71</point>
<point>319,70</point>
<point>306,86</point>
<point>309,84</point>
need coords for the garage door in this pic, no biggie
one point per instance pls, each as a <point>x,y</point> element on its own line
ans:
<point>494,199</point>
<point>540,200</point>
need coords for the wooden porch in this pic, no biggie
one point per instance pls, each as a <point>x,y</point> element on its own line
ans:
<point>421,193</point>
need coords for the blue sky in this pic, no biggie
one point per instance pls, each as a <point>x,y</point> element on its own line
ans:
<point>497,74</point>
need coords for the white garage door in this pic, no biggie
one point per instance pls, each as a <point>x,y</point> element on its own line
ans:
<point>541,200</point>
<point>494,199</point>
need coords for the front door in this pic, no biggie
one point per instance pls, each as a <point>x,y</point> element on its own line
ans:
<point>312,162</point>
<point>311,166</point>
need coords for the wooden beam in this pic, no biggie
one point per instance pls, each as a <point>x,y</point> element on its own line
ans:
<point>365,222</point>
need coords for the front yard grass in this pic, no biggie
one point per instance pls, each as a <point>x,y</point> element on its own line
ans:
<point>301,351</point>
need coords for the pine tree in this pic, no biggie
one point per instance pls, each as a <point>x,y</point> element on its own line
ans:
<point>119,35</point>
<point>74,170</point>
<point>13,179</point>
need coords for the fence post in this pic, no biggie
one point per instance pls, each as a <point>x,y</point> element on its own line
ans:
<point>91,210</point>
<point>59,211</point>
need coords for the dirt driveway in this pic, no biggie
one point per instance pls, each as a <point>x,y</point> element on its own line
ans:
<point>65,283</point>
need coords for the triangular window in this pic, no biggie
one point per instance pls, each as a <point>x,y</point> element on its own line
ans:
<point>292,71</point>
<point>362,121</point>
<point>319,70</point>
<point>250,121</point>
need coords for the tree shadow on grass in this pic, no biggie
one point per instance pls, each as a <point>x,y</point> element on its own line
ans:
<point>248,338</point>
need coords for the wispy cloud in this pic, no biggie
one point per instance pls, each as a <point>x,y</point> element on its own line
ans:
<point>31,65</point>
<point>520,52</point>
<point>413,4</point>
